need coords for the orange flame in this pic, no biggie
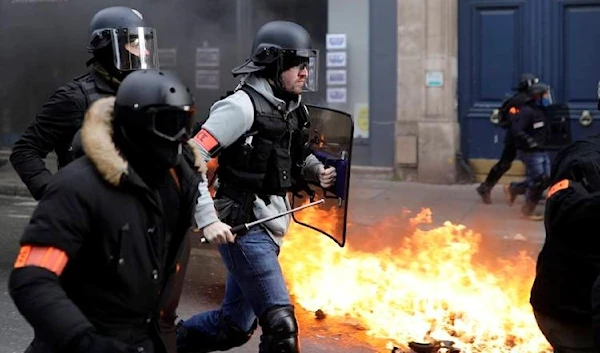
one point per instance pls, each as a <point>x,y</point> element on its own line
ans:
<point>429,285</point>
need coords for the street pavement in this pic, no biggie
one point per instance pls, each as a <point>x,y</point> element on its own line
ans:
<point>372,202</point>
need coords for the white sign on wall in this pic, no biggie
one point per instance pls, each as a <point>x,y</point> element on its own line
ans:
<point>336,77</point>
<point>336,59</point>
<point>336,94</point>
<point>335,41</point>
<point>434,78</point>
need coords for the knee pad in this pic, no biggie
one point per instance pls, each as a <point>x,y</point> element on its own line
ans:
<point>280,331</point>
<point>229,336</point>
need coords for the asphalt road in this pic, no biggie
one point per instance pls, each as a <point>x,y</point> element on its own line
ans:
<point>203,290</point>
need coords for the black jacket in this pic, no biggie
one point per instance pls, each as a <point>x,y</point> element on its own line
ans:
<point>53,130</point>
<point>126,244</point>
<point>511,107</point>
<point>530,128</point>
<point>569,261</point>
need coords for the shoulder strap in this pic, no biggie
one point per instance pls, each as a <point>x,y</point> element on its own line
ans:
<point>260,104</point>
<point>90,91</point>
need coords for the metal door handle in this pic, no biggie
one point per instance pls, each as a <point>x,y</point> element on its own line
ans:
<point>586,118</point>
<point>495,117</point>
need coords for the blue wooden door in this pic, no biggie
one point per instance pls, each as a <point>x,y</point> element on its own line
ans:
<point>570,59</point>
<point>559,40</point>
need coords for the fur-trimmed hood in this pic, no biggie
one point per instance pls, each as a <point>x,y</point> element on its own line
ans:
<point>98,144</point>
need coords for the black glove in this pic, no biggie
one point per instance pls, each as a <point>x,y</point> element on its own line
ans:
<point>531,143</point>
<point>93,343</point>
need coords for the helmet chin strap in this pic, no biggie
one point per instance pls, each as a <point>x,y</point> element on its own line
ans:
<point>277,83</point>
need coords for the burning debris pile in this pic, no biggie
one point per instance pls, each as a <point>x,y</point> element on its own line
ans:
<point>425,293</point>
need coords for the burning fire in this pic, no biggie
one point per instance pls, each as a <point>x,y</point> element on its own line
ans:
<point>428,286</point>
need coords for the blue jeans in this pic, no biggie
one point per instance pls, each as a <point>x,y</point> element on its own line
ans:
<point>537,173</point>
<point>254,284</point>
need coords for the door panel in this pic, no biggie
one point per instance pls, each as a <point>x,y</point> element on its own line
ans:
<point>574,69</point>
<point>492,55</point>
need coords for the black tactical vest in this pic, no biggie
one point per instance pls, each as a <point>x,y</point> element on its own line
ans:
<point>87,84</point>
<point>91,92</point>
<point>267,159</point>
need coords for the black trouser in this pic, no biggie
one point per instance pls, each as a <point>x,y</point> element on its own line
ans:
<point>509,154</point>
<point>566,337</point>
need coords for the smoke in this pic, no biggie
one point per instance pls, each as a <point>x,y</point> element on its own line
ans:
<point>55,53</point>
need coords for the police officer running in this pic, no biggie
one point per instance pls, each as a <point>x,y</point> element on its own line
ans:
<point>120,43</point>
<point>507,112</point>
<point>260,136</point>
<point>530,129</point>
<point>102,261</point>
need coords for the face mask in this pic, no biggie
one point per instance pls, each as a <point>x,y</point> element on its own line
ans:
<point>545,102</point>
<point>165,154</point>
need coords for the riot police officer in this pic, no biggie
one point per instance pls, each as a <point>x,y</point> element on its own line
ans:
<point>507,112</point>
<point>564,298</point>
<point>260,138</point>
<point>102,260</point>
<point>531,130</point>
<point>120,42</point>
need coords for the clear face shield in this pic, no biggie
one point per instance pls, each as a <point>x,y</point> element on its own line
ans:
<point>309,59</point>
<point>135,48</point>
<point>548,97</point>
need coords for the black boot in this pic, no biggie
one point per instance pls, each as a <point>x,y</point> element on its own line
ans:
<point>485,192</point>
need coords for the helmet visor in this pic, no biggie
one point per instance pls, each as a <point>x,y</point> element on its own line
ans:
<point>135,48</point>
<point>549,96</point>
<point>305,59</point>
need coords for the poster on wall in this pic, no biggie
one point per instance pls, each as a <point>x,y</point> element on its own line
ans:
<point>336,94</point>
<point>361,120</point>
<point>335,41</point>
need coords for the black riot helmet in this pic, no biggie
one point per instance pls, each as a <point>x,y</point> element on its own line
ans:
<point>121,41</point>
<point>542,93</point>
<point>278,46</point>
<point>538,88</point>
<point>527,79</point>
<point>153,114</point>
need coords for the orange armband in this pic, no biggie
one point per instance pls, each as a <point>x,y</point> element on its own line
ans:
<point>207,141</point>
<point>561,185</point>
<point>50,258</point>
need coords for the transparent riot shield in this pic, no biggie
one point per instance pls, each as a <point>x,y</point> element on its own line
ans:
<point>331,135</point>
<point>559,126</point>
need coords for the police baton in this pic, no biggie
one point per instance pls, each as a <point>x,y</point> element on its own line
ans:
<point>242,228</point>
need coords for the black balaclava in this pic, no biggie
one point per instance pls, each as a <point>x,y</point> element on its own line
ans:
<point>149,155</point>
<point>104,58</point>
